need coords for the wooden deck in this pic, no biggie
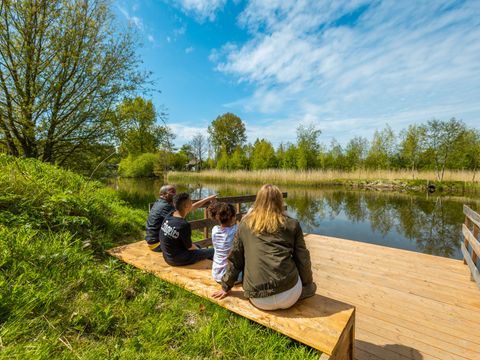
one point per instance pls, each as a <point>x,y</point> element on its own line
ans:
<point>408,305</point>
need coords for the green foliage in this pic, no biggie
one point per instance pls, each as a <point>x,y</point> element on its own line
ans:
<point>308,146</point>
<point>62,298</point>
<point>135,126</point>
<point>138,166</point>
<point>227,132</point>
<point>263,155</point>
<point>62,65</point>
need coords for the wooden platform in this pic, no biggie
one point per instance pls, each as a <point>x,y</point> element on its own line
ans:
<point>408,305</point>
<point>320,322</point>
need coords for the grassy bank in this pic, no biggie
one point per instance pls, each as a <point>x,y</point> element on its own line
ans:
<point>380,179</point>
<point>61,297</point>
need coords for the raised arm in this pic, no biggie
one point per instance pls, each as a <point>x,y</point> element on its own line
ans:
<point>202,202</point>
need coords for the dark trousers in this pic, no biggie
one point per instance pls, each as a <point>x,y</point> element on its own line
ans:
<point>190,257</point>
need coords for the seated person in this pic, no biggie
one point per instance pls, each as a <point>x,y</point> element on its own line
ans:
<point>222,236</point>
<point>176,234</point>
<point>270,250</point>
<point>159,210</point>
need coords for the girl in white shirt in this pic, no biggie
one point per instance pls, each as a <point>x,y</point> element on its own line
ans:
<point>222,236</point>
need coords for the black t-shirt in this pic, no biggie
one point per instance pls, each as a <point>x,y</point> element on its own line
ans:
<point>160,209</point>
<point>175,237</point>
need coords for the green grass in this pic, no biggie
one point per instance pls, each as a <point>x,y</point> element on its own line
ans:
<point>61,297</point>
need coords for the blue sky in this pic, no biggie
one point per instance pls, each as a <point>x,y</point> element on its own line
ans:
<point>349,67</point>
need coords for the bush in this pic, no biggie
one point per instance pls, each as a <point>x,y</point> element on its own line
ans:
<point>138,166</point>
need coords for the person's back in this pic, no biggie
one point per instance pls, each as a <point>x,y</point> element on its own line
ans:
<point>176,234</point>
<point>270,249</point>
<point>222,236</point>
<point>274,262</point>
<point>158,212</point>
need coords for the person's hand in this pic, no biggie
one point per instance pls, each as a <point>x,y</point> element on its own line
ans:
<point>220,294</point>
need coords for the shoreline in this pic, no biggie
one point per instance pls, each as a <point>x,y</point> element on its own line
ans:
<point>313,179</point>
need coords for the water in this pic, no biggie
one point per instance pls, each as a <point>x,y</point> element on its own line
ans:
<point>424,223</point>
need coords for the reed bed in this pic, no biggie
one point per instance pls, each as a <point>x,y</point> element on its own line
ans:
<point>319,177</point>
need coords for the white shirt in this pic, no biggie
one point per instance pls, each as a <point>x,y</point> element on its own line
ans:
<point>222,239</point>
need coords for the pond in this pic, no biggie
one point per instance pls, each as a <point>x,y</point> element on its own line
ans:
<point>427,223</point>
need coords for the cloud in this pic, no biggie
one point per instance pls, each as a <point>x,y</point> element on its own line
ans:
<point>356,62</point>
<point>189,50</point>
<point>185,133</point>
<point>151,38</point>
<point>202,9</point>
<point>132,19</point>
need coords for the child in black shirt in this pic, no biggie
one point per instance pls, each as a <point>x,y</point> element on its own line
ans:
<point>176,234</point>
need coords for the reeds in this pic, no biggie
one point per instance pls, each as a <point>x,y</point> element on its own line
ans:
<point>318,177</point>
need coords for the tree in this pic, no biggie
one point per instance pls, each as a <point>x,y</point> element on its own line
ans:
<point>62,66</point>
<point>263,155</point>
<point>441,137</point>
<point>136,128</point>
<point>355,152</point>
<point>308,146</point>
<point>199,148</point>
<point>412,145</point>
<point>382,149</point>
<point>227,131</point>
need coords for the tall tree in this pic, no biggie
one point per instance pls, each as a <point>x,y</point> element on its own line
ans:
<point>137,130</point>
<point>199,147</point>
<point>263,155</point>
<point>382,149</point>
<point>441,137</point>
<point>62,65</point>
<point>355,152</point>
<point>308,146</point>
<point>227,131</point>
<point>412,145</point>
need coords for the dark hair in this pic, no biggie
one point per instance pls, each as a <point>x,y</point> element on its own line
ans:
<point>179,200</point>
<point>222,212</point>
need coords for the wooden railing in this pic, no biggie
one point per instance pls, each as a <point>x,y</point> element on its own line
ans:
<point>470,231</point>
<point>206,224</point>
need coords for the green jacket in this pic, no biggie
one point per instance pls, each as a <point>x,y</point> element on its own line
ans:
<point>271,263</point>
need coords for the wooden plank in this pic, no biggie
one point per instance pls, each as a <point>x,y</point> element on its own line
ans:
<point>202,223</point>
<point>472,215</point>
<point>473,268</point>
<point>472,240</point>
<point>317,321</point>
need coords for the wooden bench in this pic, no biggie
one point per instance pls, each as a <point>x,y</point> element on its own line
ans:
<point>320,322</point>
<point>470,234</point>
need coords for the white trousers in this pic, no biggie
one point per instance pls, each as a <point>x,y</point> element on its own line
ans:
<point>283,300</point>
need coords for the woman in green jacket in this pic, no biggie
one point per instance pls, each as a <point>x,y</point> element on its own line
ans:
<point>270,250</point>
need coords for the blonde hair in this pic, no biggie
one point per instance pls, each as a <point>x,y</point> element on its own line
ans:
<point>267,214</point>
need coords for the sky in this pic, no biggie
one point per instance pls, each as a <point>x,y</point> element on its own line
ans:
<point>349,67</point>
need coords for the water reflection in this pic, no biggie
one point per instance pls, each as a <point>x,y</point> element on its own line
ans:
<point>423,223</point>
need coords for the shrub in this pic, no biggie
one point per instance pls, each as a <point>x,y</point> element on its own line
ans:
<point>138,166</point>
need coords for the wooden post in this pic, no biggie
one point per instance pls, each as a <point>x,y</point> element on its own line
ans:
<point>465,240</point>
<point>475,235</point>
<point>205,229</point>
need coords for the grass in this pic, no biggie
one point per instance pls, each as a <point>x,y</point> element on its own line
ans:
<point>453,180</point>
<point>61,297</point>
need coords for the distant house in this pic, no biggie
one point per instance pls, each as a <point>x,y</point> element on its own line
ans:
<point>193,165</point>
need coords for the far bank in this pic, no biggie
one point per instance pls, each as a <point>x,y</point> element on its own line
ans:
<point>399,180</point>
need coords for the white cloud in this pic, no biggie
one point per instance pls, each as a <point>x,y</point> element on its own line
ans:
<point>189,50</point>
<point>356,62</point>
<point>132,19</point>
<point>151,38</point>
<point>185,133</point>
<point>202,9</point>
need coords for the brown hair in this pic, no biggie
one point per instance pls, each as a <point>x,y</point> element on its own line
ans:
<point>267,214</point>
<point>222,212</point>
